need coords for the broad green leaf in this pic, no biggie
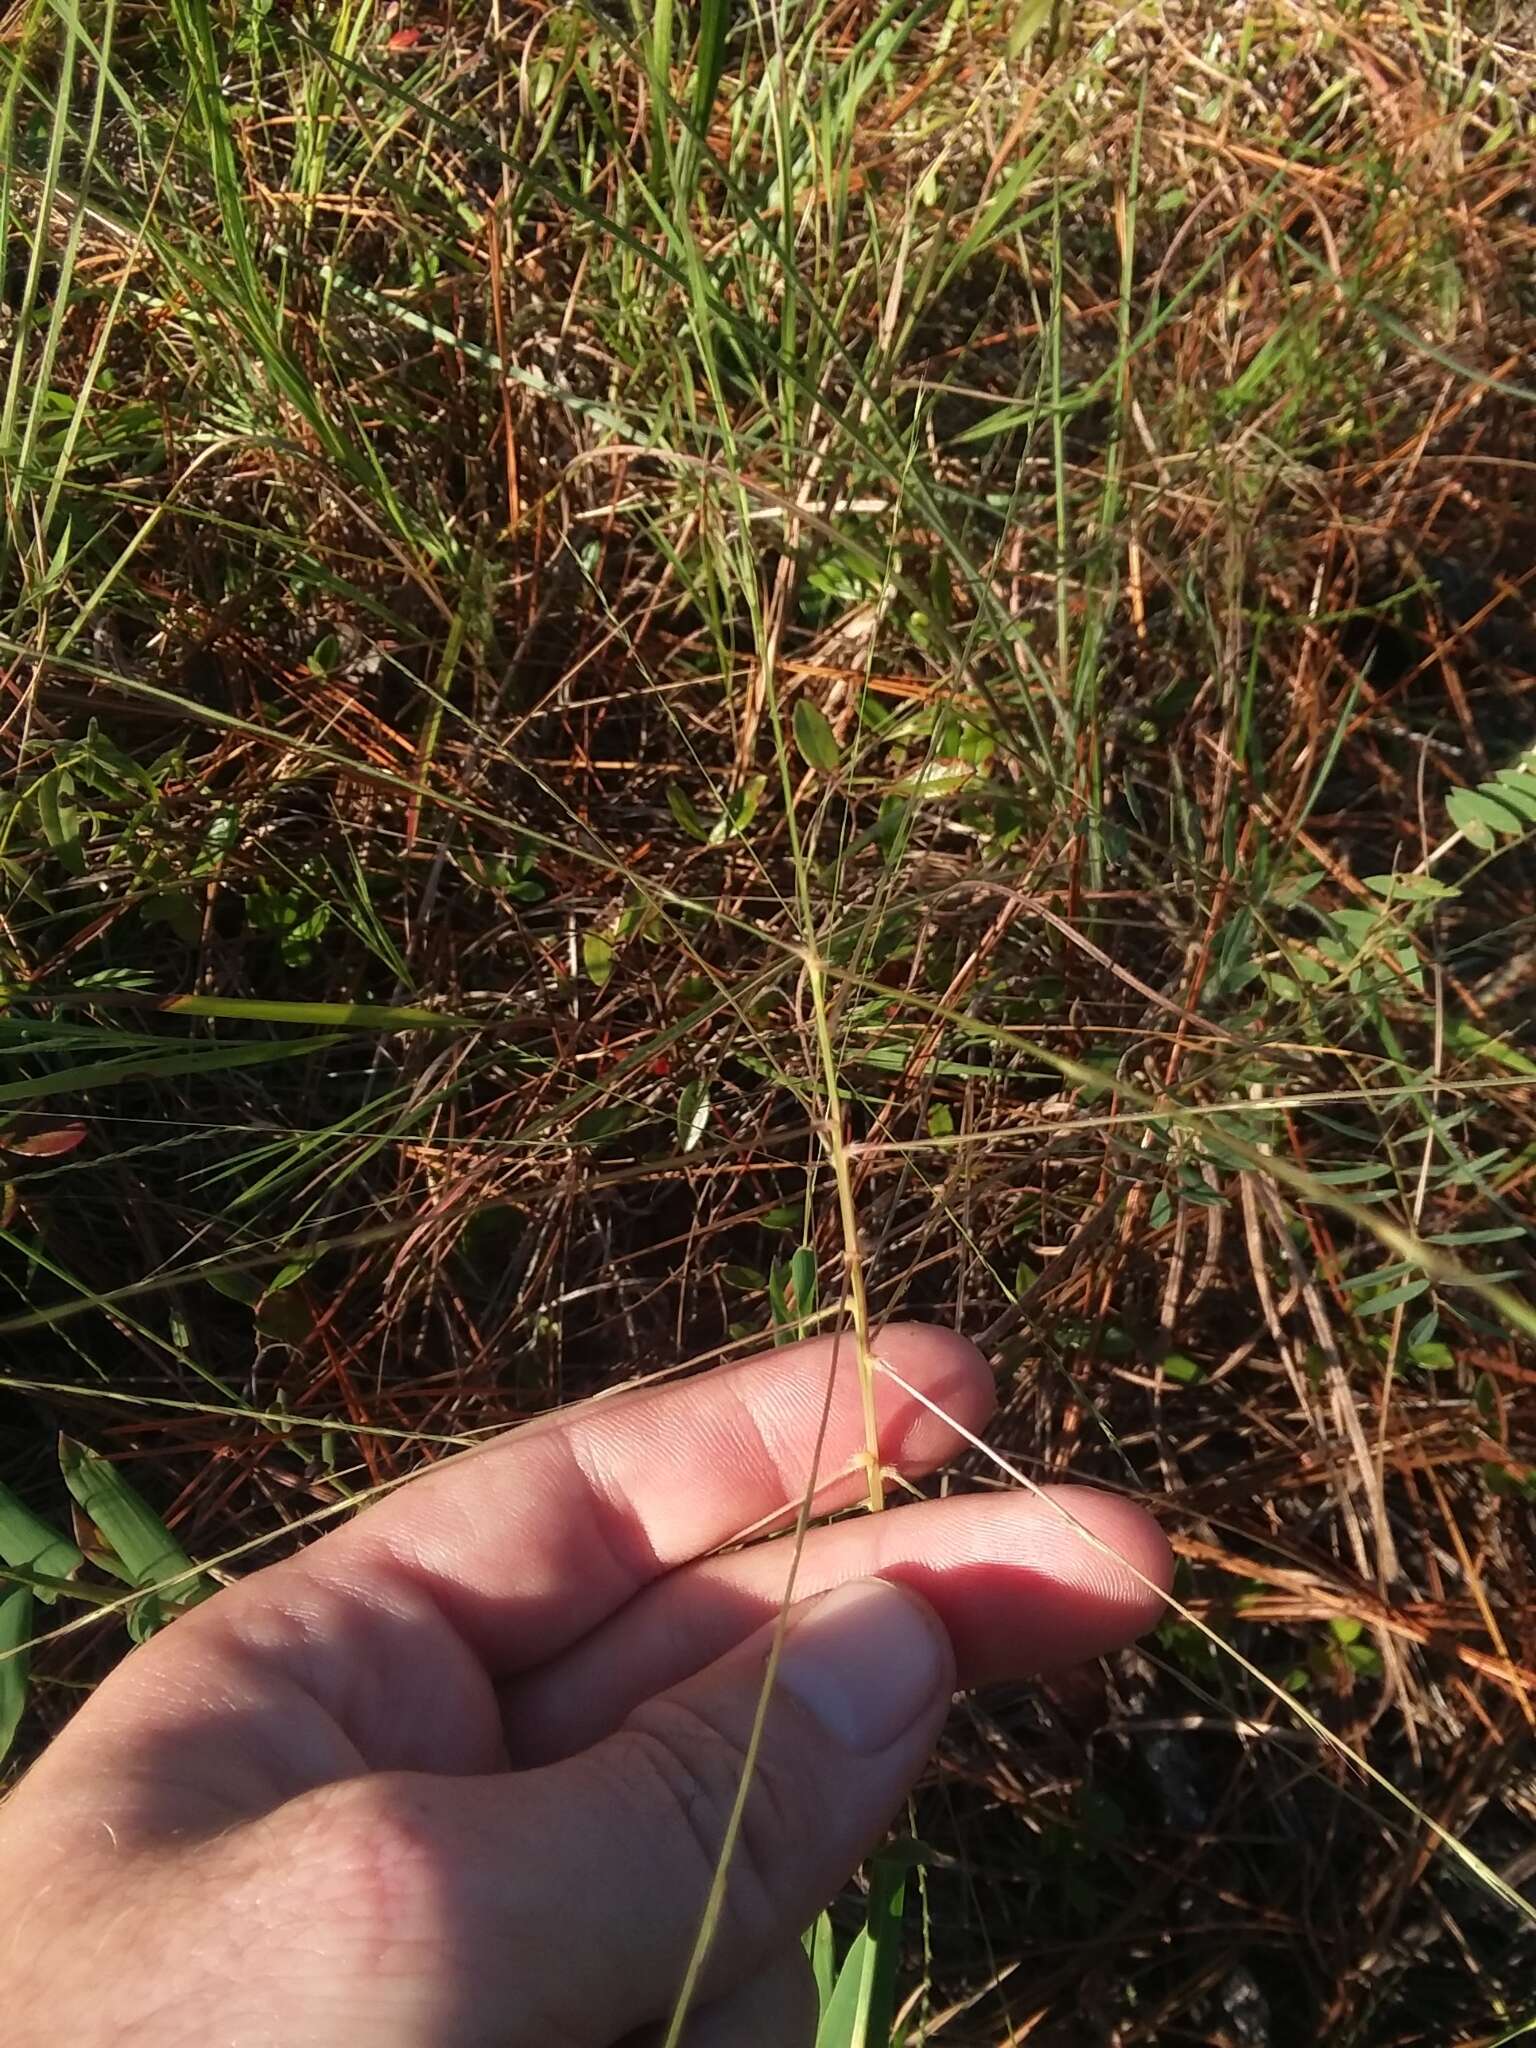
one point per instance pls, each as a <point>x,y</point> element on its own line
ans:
<point>30,1542</point>
<point>815,738</point>
<point>15,1630</point>
<point>143,1551</point>
<point>692,1114</point>
<point>863,2002</point>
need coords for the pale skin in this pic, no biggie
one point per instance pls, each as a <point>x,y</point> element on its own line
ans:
<point>458,1773</point>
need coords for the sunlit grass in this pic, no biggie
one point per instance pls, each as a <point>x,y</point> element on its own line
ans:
<point>675,681</point>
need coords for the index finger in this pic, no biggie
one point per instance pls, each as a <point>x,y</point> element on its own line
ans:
<point>528,1543</point>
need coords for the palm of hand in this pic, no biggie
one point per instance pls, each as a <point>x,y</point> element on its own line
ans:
<point>461,1772</point>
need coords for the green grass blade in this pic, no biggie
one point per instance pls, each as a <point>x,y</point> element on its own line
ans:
<point>29,1542</point>
<point>15,1637</point>
<point>862,2007</point>
<point>141,1550</point>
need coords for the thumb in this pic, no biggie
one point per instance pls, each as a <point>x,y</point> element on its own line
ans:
<point>622,1842</point>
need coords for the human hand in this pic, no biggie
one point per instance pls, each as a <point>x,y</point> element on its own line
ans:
<point>460,1772</point>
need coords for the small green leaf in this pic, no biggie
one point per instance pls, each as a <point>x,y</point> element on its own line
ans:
<point>608,1120</point>
<point>1432,1356</point>
<point>1517,788</point>
<point>1179,1366</point>
<point>1346,1629</point>
<point>294,1269</point>
<point>815,738</point>
<point>1410,888</point>
<point>246,1288</point>
<point>1479,815</point>
<point>326,658</point>
<point>935,779</point>
<point>638,920</point>
<point>692,1114</point>
<point>941,1121</point>
<point>60,819</point>
<point>821,1949</point>
<point>284,1318</point>
<point>1394,1297</point>
<point>740,809</point>
<point>1498,1233</point>
<point>685,811</point>
<point>778,1302</point>
<point>1501,1481</point>
<point>1516,792</point>
<point>597,958</point>
<point>802,1279</point>
<point>179,910</point>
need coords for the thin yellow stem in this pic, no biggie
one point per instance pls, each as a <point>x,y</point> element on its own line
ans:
<point>853,1262</point>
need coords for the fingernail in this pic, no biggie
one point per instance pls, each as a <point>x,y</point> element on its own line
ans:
<point>866,1661</point>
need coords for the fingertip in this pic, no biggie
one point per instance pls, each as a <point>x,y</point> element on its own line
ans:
<point>1033,1582</point>
<point>948,1370</point>
<point>1143,1577</point>
<point>1113,1554</point>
